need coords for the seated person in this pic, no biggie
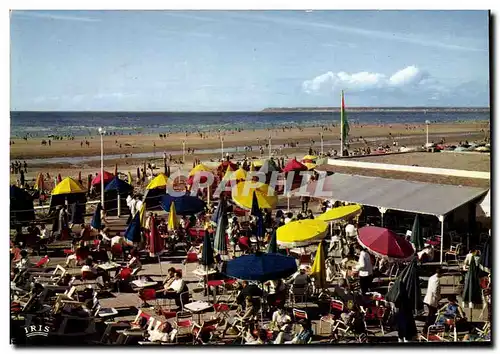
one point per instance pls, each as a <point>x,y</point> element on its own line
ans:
<point>175,289</point>
<point>248,290</point>
<point>354,318</point>
<point>134,262</point>
<point>164,333</point>
<point>280,321</point>
<point>426,254</point>
<point>331,269</point>
<point>305,334</point>
<point>255,337</point>
<point>169,278</point>
<point>92,273</point>
<point>244,318</point>
<point>342,292</point>
<point>451,312</point>
<point>81,253</point>
<point>276,291</point>
<point>24,263</point>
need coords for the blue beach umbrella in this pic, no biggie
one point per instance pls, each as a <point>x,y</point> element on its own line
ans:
<point>96,222</point>
<point>119,186</point>
<point>255,206</point>
<point>219,210</point>
<point>133,231</point>
<point>184,205</point>
<point>261,267</point>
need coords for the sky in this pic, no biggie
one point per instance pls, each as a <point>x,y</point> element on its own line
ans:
<point>246,60</point>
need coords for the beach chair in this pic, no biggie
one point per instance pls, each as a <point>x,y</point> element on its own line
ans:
<point>191,257</point>
<point>454,251</point>
<point>336,308</point>
<point>374,314</point>
<point>299,315</point>
<point>184,324</point>
<point>206,327</point>
<point>147,295</point>
<point>435,333</point>
<point>222,311</point>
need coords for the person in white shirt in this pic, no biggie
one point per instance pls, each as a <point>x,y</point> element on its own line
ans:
<point>289,217</point>
<point>117,240</point>
<point>473,254</point>
<point>43,232</point>
<point>350,230</point>
<point>138,205</point>
<point>176,288</point>
<point>432,297</point>
<point>281,321</point>
<point>427,254</point>
<point>365,270</point>
<point>164,333</point>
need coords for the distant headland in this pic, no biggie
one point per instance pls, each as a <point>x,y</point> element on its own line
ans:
<point>378,109</point>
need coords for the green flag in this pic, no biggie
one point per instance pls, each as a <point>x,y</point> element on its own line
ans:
<point>344,124</point>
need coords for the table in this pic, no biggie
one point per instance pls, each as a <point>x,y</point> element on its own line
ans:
<point>144,284</point>
<point>197,307</point>
<point>107,312</point>
<point>108,266</point>
<point>202,272</point>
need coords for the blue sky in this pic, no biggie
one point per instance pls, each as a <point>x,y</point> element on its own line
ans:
<point>246,60</point>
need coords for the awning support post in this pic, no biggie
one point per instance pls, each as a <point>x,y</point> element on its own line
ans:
<point>441,220</point>
<point>382,212</point>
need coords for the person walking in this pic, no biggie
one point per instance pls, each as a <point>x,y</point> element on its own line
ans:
<point>432,297</point>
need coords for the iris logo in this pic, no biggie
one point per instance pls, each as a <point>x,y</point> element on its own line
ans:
<point>36,330</point>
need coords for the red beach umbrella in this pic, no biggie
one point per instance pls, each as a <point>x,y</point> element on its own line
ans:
<point>294,165</point>
<point>155,241</point>
<point>385,243</point>
<point>59,178</point>
<point>107,178</point>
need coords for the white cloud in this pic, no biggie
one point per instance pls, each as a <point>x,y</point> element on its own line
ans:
<point>362,81</point>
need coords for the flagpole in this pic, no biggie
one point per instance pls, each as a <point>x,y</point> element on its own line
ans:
<point>341,125</point>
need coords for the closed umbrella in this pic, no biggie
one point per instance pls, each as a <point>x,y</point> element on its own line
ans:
<point>384,243</point>
<point>220,245</point>
<point>318,270</point>
<point>207,256</point>
<point>410,280</point>
<point>155,241</point>
<point>116,170</point>
<point>472,289</point>
<point>39,185</point>
<point>486,261</point>
<point>220,209</point>
<point>96,222</point>
<point>59,178</point>
<point>301,233</point>
<point>89,182</point>
<point>261,267</point>
<point>79,176</point>
<point>255,211</point>
<point>416,235</point>
<point>138,174</point>
<point>133,231</point>
<point>130,181</point>
<point>272,247</point>
<point>172,218</point>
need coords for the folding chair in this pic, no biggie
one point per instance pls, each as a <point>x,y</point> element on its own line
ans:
<point>147,295</point>
<point>336,308</point>
<point>299,315</point>
<point>454,251</point>
<point>209,327</point>
<point>435,333</point>
<point>184,324</point>
<point>222,311</point>
<point>117,251</point>
<point>191,257</point>
<point>43,263</point>
<point>374,313</point>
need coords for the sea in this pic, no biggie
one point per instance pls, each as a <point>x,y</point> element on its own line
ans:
<point>45,124</point>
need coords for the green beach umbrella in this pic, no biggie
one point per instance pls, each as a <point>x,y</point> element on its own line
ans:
<point>472,289</point>
<point>416,234</point>
<point>273,244</point>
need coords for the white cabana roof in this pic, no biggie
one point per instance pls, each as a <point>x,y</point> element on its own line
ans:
<point>485,205</point>
<point>393,194</point>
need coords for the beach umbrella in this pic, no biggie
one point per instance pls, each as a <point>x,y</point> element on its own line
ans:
<point>184,205</point>
<point>59,178</point>
<point>142,217</point>
<point>21,205</point>
<point>472,293</point>
<point>318,270</point>
<point>255,210</point>
<point>107,178</point>
<point>269,166</point>
<point>410,280</point>
<point>96,222</point>
<point>485,205</point>
<point>220,245</point>
<point>340,213</point>
<point>272,247</point>
<point>294,165</point>
<point>159,181</point>
<point>129,177</point>
<point>138,173</point>
<point>224,165</point>
<point>261,267</point>
<point>310,165</point>
<point>198,168</point>
<point>242,195</point>
<point>207,255</point>
<point>239,175</point>
<point>39,185</point>
<point>416,234</point>
<point>384,243</point>
<point>133,231</point>
<point>486,261</point>
<point>301,233</point>
<point>172,218</point>
<point>155,241</point>
<point>220,209</point>
<point>116,170</point>
<point>309,159</point>
<point>68,186</point>
<point>119,186</point>
<point>79,176</point>
<point>227,176</point>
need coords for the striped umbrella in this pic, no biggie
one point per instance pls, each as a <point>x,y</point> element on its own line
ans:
<point>220,245</point>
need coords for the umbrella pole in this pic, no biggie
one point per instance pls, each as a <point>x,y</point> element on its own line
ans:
<point>159,262</point>
<point>118,203</point>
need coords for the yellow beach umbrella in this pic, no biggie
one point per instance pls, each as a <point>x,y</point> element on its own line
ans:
<point>242,195</point>
<point>142,218</point>
<point>310,165</point>
<point>68,186</point>
<point>199,168</point>
<point>301,233</point>
<point>318,270</point>
<point>258,163</point>
<point>130,181</point>
<point>340,213</point>
<point>172,218</point>
<point>39,182</point>
<point>239,174</point>
<point>159,181</point>
<point>309,158</point>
